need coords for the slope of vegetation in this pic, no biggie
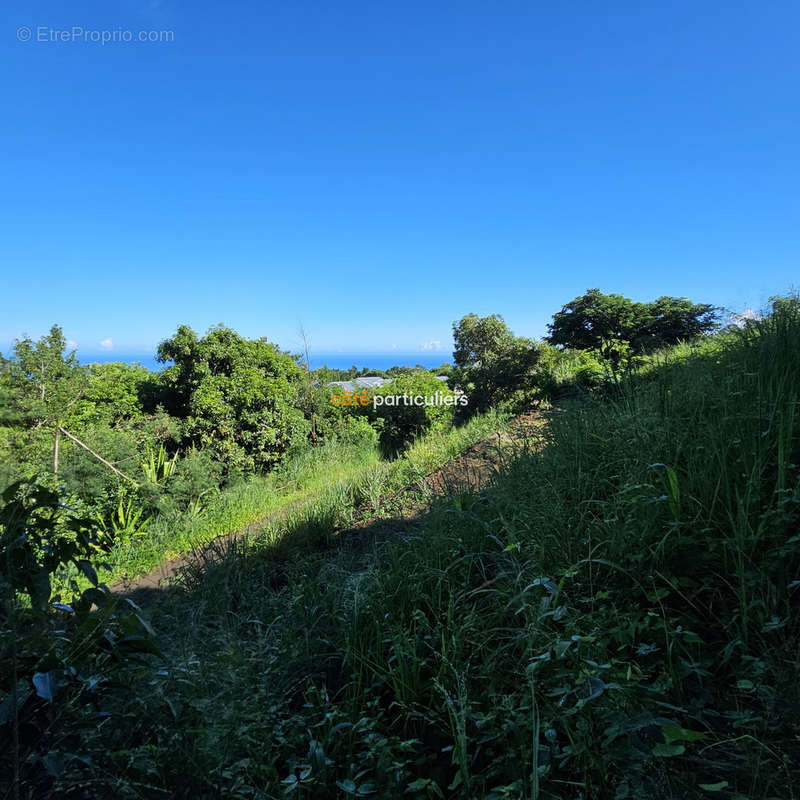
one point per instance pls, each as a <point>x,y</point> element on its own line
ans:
<point>231,431</point>
<point>347,468</point>
<point>616,616</point>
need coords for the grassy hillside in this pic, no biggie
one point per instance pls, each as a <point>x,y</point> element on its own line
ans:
<point>351,475</point>
<point>615,617</point>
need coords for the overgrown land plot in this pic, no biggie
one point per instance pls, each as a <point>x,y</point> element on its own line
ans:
<point>602,604</point>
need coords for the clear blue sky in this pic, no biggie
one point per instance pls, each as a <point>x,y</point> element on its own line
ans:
<point>376,170</point>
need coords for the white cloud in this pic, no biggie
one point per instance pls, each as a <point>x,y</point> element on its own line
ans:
<point>394,347</point>
<point>106,344</point>
<point>433,344</point>
<point>72,344</point>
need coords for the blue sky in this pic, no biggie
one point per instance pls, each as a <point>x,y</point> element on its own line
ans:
<point>374,171</point>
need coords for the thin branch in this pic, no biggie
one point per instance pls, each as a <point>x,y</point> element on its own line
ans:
<point>98,457</point>
<point>310,384</point>
<point>55,452</point>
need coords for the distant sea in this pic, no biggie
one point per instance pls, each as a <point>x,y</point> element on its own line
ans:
<point>145,359</point>
<point>332,360</point>
<point>379,360</point>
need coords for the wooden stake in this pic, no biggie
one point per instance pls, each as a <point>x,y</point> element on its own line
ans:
<point>98,457</point>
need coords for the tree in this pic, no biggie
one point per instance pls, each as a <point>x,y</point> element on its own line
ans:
<point>673,319</point>
<point>587,321</point>
<point>116,390</point>
<point>492,366</point>
<point>237,396</point>
<point>613,324</point>
<point>41,383</point>
<point>41,388</point>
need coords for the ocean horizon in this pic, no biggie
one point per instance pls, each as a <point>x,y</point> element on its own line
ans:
<point>332,360</point>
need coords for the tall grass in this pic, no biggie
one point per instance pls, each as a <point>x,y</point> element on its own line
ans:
<point>615,618</point>
<point>349,475</point>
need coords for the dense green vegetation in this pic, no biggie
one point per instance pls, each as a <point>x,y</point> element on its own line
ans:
<point>614,325</point>
<point>170,457</point>
<point>614,617</point>
<point>492,365</point>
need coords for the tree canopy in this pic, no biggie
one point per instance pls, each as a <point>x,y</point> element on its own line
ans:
<point>597,321</point>
<point>491,364</point>
<point>238,396</point>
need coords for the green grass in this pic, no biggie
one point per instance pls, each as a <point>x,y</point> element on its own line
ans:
<point>616,617</point>
<point>353,474</point>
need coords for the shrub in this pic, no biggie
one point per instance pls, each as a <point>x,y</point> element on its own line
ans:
<point>357,432</point>
<point>399,424</point>
<point>59,657</point>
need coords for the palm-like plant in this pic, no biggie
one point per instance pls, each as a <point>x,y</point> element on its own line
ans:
<point>126,522</point>
<point>158,467</point>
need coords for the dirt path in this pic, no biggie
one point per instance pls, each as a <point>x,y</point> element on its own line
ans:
<point>472,470</point>
<point>156,578</point>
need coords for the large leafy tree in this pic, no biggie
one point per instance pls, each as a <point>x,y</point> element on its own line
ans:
<point>237,396</point>
<point>611,323</point>
<point>675,318</point>
<point>492,366</point>
<point>117,391</point>
<point>592,319</point>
